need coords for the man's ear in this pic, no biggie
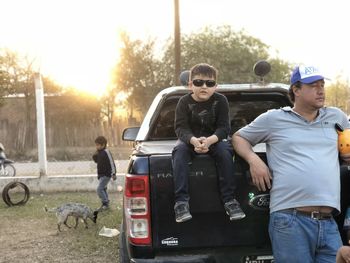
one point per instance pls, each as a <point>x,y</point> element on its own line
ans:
<point>295,90</point>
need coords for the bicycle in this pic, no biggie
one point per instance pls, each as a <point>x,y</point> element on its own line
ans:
<point>7,169</point>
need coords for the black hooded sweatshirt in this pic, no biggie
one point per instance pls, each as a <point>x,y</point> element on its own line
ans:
<point>105,163</point>
<point>193,118</point>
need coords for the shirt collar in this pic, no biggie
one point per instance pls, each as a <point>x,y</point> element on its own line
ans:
<point>321,111</point>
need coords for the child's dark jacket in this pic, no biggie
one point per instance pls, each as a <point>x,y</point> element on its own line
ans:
<point>199,119</point>
<point>105,163</point>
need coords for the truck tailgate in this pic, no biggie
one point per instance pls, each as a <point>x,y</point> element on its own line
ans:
<point>210,226</point>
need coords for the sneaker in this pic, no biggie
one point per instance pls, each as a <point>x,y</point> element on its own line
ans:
<point>104,207</point>
<point>182,212</point>
<point>234,210</point>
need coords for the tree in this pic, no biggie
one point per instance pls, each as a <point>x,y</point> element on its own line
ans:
<point>73,118</point>
<point>232,53</point>
<point>20,81</point>
<point>136,74</point>
<point>107,103</point>
<point>8,68</point>
<point>51,87</point>
<point>17,77</point>
<point>337,95</point>
<point>141,75</point>
<point>5,83</point>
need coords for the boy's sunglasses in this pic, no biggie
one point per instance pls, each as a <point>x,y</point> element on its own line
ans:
<point>200,82</point>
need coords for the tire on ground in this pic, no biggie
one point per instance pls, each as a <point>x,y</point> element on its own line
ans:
<point>6,196</point>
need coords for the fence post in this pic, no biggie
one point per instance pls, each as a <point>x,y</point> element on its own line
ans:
<point>40,116</point>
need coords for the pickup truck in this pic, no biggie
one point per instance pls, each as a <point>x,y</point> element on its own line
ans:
<point>149,232</point>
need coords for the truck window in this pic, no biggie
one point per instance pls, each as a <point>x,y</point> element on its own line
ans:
<point>244,108</point>
<point>163,129</point>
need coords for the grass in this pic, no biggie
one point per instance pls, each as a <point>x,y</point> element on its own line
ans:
<point>85,241</point>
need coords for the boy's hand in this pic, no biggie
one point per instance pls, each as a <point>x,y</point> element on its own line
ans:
<point>199,146</point>
<point>206,142</point>
<point>114,177</point>
<point>202,149</point>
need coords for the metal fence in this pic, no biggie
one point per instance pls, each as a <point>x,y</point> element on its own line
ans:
<point>69,137</point>
<point>64,168</point>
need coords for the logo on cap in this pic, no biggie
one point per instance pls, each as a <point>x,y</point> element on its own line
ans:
<point>306,72</point>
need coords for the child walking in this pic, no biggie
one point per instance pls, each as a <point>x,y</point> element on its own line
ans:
<point>105,169</point>
<point>2,156</point>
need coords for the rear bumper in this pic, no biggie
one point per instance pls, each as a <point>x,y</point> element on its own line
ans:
<point>223,255</point>
<point>178,259</point>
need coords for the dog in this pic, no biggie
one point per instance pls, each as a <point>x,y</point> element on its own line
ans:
<point>73,209</point>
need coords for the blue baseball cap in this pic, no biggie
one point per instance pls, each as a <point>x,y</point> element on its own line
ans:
<point>305,74</point>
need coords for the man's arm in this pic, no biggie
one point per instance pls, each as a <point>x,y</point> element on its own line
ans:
<point>259,171</point>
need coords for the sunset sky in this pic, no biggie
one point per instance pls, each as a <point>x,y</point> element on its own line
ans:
<point>76,41</point>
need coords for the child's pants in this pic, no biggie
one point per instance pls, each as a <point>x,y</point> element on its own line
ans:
<point>222,152</point>
<point>102,189</point>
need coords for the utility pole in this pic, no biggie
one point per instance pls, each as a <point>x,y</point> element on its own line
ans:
<point>177,42</point>
<point>40,115</point>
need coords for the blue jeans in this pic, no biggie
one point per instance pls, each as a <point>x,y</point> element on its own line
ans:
<point>298,238</point>
<point>222,152</point>
<point>102,189</point>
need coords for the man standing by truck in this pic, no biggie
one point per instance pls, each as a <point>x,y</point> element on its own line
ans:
<point>202,126</point>
<point>302,154</point>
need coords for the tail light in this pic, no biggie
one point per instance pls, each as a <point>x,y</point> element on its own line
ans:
<point>137,212</point>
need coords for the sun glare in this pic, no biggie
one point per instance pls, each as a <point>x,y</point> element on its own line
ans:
<point>87,67</point>
<point>82,76</point>
<point>121,97</point>
<point>76,42</point>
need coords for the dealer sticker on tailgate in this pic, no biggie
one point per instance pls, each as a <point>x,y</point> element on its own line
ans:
<point>258,259</point>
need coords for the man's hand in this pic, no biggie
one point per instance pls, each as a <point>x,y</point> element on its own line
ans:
<point>259,171</point>
<point>343,255</point>
<point>114,177</point>
<point>260,174</point>
<point>345,157</point>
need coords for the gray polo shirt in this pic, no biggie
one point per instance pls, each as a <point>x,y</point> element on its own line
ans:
<point>302,156</point>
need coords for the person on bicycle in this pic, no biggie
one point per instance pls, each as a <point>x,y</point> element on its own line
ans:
<point>2,156</point>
